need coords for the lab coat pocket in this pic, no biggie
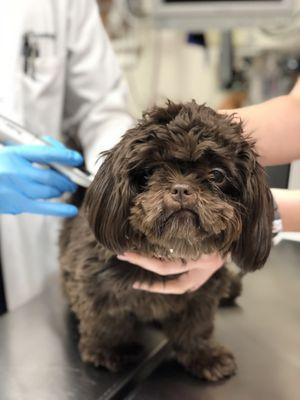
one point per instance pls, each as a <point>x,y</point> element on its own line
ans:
<point>43,75</point>
<point>42,92</point>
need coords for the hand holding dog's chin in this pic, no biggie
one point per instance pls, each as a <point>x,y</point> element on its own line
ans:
<point>193,274</point>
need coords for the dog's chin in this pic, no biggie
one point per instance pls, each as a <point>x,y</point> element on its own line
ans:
<point>181,232</point>
<point>182,224</point>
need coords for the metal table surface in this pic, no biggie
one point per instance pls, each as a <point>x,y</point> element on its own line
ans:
<point>39,358</point>
<point>263,331</point>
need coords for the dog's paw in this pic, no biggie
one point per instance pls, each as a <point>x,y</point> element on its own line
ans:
<point>114,359</point>
<point>220,365</point>
<point>213,364</point>
<point>234,290</point>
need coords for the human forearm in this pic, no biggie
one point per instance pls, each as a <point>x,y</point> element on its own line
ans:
<point>275,125</point>
<point>288,202</point>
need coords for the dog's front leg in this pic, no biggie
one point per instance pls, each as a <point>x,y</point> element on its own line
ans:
<point>191,337</point>
<point>109,340</point>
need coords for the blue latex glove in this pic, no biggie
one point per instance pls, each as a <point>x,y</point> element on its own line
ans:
<point>24,187</point>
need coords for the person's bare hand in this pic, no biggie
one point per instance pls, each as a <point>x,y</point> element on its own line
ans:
<point>193,274</point>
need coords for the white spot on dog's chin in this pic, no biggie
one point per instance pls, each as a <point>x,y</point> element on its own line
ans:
<point>171,251</point>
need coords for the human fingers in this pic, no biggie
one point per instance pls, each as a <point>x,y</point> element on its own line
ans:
<point>54,209</point>
<point>52,178</point>
<point>33,190</point>
<point>209,262</point>
<point>187,282</point>
<point>53,142</point>
<point>14,202</point>
<point>48,154</point>
<point>173,267</point>
<point>153,264</point>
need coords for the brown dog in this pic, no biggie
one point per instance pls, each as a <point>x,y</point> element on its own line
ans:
<point>183,182</point>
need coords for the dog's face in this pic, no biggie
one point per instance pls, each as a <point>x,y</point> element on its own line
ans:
<point>187,181</point>
<point>186,195</point>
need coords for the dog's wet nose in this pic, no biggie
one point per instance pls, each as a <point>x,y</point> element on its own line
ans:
<point>181,192</point>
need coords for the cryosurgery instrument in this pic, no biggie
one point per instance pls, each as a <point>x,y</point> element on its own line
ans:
<point>14,133</point>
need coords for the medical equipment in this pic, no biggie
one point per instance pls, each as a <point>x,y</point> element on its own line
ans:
<point>15,133</point>
<point>224,14</point>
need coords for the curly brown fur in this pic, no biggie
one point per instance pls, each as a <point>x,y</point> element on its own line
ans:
<point>183,182</point>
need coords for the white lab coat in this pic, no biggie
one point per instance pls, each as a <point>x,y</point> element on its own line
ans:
<point>77,87</point>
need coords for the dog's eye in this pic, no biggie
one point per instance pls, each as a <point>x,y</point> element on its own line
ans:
<point>217,175</point>
<point>141,177</point>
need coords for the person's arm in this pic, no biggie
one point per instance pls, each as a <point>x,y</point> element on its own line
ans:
<point>96,93</point>
<point>275,125</point>
<point>288,202</point>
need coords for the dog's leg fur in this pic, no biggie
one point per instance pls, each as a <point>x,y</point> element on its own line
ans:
<point>234,289</point>
<point>191,336</point>
<point>109,340</point>
<point>210,361</point>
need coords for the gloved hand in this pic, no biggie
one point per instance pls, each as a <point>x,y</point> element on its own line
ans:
<point>24,187</point>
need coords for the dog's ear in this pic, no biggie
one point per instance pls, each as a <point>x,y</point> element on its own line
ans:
<point>107,203</point>
<point>252,249</point>
<point>108,199</point>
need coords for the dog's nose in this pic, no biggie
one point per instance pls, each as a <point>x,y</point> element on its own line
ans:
<point>181,192</point>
